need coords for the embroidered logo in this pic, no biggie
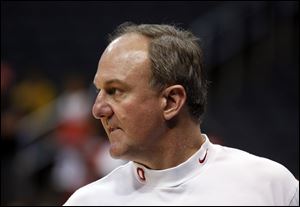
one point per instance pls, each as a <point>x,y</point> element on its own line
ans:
<point>202,160</point>
<point>141,173</point>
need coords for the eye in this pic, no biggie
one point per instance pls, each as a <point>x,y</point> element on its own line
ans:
<point>111,91</point>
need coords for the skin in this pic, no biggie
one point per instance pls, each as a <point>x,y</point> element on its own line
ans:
<point>144,125</point>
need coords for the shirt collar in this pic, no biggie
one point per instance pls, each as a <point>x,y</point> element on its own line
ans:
<point>176,175</point>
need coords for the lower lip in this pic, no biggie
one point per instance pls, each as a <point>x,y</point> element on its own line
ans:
<point>114,130</point>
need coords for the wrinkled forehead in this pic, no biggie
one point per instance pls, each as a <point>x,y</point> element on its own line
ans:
<point>126,57</point>
<point>124,61</point>
<point>125,51</point>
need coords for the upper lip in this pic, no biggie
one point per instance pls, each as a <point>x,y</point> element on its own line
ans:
<point>111,128</point>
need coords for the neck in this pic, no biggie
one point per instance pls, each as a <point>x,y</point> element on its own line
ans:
<point>176,146</point>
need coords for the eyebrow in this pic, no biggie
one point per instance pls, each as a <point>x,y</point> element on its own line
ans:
<point>112,81</point>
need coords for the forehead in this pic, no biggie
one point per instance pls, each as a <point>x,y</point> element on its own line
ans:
<point>125,58</point>
<point>129,41</point>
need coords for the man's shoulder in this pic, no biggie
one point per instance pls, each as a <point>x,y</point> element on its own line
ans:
<point>99,188</point>
<point>253,166</point>
<point>242,168</point>
<point>249,161</point>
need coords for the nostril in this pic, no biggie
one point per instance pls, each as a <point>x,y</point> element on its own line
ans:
<point>102,116</point>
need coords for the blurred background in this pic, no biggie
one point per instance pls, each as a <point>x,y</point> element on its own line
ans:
<point>50,143</point>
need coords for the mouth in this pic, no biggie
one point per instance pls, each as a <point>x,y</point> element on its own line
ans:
<point>111,129</point>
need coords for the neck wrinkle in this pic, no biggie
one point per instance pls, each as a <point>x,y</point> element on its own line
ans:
<point>175,148</point>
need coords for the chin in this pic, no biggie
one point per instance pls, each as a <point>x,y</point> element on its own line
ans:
<point>116,152</point>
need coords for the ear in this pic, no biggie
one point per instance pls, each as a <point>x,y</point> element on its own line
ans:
<point>174,98</point>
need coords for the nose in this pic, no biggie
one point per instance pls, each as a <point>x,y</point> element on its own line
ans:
<point>101,108</point>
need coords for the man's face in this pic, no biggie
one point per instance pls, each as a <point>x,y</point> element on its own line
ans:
<point>129,109</point>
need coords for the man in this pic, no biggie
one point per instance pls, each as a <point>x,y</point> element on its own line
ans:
<point>152,92</point>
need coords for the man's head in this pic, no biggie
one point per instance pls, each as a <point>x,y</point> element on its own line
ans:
<point>176,58</point>
<point>148,76</point>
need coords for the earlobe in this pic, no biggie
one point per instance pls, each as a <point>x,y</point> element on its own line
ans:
<point>174,98</point>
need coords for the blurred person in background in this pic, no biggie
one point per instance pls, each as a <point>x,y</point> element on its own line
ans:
<point>34,91</point>
<point>152,93</point>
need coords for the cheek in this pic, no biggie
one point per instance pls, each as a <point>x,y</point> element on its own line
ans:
<point>142,121</point>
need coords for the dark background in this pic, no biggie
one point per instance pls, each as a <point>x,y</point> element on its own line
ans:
<point>251,56</point>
